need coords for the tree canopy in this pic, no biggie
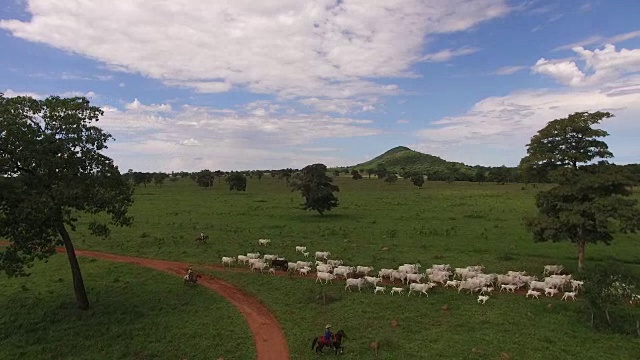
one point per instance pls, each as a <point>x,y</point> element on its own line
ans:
<point>237,181</point>
<point>316,188</point>
<point>51,168</point>
<point>591,200</point>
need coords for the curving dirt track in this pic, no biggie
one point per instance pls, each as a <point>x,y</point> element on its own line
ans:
<point>269,339</point>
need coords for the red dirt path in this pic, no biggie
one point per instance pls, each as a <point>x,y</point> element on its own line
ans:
<point>269,339</point>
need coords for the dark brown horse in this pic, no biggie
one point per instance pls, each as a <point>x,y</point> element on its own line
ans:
<point>336,342</point>
<point>202,239</point>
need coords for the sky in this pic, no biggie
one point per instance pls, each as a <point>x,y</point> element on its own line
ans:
<point>244,84</point>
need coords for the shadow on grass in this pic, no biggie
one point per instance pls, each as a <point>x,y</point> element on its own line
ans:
<point>313,217</point>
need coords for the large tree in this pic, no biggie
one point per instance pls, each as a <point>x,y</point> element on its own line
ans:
<point>316,188</point>
<point>51,169</point>
<point>590,202</point>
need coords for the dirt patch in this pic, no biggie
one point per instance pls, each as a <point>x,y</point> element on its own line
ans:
<point>269,339</point>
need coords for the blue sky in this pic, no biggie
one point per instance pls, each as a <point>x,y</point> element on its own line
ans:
<point>274,84</point>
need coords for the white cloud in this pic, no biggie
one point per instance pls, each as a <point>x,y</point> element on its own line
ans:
<point>448,54</point>
<point>600,40</point>
<point>229,139</point>
<point>402,121</point>
<point>122,84</point>
<point>12,93</point>
<point>600,66</point>
<point>509,70</point>
<point>294,49</point>
<point>495,130</point>
<point>586,7</point>
<point>136,105</point>
<point>90,94</point>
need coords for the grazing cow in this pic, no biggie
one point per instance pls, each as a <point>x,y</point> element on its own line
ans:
<point>280,264</point>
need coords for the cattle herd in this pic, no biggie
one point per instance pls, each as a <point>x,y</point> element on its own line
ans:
<point>471,278</point>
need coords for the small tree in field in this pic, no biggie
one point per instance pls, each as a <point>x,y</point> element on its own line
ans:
<point>259,174</point>
<point>391,178</point>
<point>417,180</point>
<point>591,201</point>
<point>51,169</point>
<point>237,181</point>
<point>355,175</point>
<point>316,188</point>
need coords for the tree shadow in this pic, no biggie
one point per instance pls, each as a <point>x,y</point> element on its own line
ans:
<point>328,217</point>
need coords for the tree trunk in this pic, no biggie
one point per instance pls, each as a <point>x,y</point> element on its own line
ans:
<point>606,312</point>
<point>581,245</point>
<point>78,284</point>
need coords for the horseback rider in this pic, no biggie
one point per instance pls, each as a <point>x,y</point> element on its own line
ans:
<point>327,334</point>
<point>190,274</point>
<point>201,236</point>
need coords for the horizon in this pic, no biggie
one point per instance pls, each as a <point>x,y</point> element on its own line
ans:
<point>286,84</point>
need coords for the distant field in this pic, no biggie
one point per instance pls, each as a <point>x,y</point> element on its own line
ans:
<point>382,225</point>
<point>376,224</point>
<point>136,313</point>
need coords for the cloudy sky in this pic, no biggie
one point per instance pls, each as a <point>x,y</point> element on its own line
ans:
<point>245,84</point>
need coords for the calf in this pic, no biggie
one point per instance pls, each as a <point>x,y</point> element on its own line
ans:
<point>482,298</point>
<point>533,293</point>
<point>568,295</point>
<point>398,290</point>
<point>379,288</point>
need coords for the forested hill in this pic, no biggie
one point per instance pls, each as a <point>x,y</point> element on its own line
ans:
<point>403,160</point>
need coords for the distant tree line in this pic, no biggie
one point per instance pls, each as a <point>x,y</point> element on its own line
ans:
<point>480,174</point>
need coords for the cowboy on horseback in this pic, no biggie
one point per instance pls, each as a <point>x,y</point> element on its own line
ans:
<point>190,274</point>
<point>327,335</point>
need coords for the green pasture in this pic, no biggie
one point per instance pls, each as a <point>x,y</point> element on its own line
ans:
<point>136,313</point>
<point>522,328</point>
<point>377,224</point>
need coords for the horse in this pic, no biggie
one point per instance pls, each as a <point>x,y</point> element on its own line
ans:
<point>193,280</point>
<point>336,342</point>
<point>202,239</point>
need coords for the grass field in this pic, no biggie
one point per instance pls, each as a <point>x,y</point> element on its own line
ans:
<point>136,313</point>
<point>382,225</point>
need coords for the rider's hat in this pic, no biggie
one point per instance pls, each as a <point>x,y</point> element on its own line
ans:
<point>327,327</point>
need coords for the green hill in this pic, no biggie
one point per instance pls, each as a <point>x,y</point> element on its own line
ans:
<point>402,158</point>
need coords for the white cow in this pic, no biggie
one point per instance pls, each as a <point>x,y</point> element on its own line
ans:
<point>301,249</point>
<point>242,259</point>
<point>354,282</point>
<point>227,260</point>
<point>264,242</point>
<point>552,269</point>
<point>421,288</point>
<point>327,277</point>
<point>379,288</point>
<point>322,254</point>
<point>482,298</point>
<point>372,280</point>
<point>568,295</point>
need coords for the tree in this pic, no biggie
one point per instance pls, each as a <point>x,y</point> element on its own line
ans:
<point>316,188</point>
<point>51,169</point>
<point>370,172</point>
<point>591,201</point>
<point>158,179</point>
<point>204,178</point>
<point>417,180</point>
<point>336,173</point>
<point>391,178</point>
<point>607,289</point>
<point>355,175</point>
<point>259,174</point>
<point>237,181</point>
